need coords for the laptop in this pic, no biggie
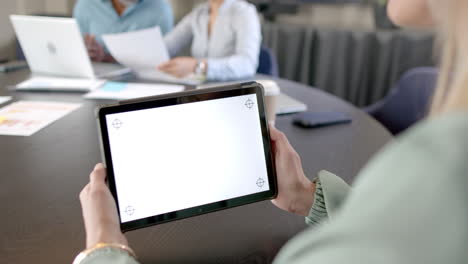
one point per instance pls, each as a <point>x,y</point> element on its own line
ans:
<point>54,46</point>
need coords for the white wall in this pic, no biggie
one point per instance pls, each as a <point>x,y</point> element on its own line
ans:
<point>65,7</point>
<point>182,7</point>
<point>30,6</point>
<point>6,31</point>
<point>346,16</point>
<point>8,7</point>
<point>59,6</point>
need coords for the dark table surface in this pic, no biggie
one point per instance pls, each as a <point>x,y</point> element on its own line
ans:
<point>42,175</point>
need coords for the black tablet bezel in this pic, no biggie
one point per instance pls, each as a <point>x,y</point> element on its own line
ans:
<point>183,98</point>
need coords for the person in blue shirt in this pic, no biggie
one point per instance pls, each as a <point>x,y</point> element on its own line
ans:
<point>225,36</point>
<point>98,17</point>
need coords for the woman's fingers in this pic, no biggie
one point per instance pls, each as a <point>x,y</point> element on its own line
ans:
<point>98,175</point>
<point>171,68</point>
<point>177,74</point>
<point>274,133</point>
<point>84,193</point>
<point>162,66</point>
<point>167,65</point>
<point>99,211</point>
<point>279,138</point>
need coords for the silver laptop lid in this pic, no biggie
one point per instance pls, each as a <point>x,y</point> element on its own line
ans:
<point>53,46</point>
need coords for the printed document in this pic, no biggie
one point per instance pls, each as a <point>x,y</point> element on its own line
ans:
<point>143,51</point>
<point>24,118</point>
<point>4,99</point>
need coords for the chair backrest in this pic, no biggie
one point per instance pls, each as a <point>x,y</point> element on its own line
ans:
<point>409,100</point>
<point>267,63</point>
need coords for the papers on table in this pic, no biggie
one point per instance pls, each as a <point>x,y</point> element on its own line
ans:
<point>124,91</point>
<point>59,84</point>
<point>143,51</point>
<point>289,105</point>
<point>4,99</point>
<point>154,75</point>
<point>25,118</point>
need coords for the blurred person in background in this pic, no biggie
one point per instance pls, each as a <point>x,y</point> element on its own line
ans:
<point>408,205</point>
<point>99,17</point>
<point>225,37</point>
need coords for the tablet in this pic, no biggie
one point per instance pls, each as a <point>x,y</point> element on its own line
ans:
<point>185,154</point>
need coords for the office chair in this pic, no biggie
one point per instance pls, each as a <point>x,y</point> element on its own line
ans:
<point>267,63</point>
<point>408,102</point>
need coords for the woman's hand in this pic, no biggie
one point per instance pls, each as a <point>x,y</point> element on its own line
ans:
<point>179,67</point>
<point>99,211</point>
<point>295,190</point>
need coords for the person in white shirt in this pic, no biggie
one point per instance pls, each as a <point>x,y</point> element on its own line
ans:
<point>225,37</point>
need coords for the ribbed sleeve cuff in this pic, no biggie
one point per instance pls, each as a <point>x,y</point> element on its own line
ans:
<point>318,212</point>
<point>109,255</point>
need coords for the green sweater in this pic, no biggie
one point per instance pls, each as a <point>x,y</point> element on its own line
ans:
<point>409,205</point>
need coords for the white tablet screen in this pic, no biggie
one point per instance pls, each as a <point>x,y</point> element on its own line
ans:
<point>176,157</point>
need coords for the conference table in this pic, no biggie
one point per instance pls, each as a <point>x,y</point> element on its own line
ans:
<point>42,175</point>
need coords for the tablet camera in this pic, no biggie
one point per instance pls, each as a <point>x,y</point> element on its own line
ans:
<point>117,124</point>
<point>260,182</point>
<point>129,210</point>
<point>249,104</point>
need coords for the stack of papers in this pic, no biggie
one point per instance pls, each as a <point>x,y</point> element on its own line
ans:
<point>4,99</point>
<point>124,91</point>
<point>143,51</point>
<point>289,105</point>
<point>154,75</point>
<point>25,118</point>
<point>59,84</point>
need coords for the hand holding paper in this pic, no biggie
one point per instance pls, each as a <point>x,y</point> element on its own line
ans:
<point>143,51</point>
<point>179,67</point>
<point>139,50</point>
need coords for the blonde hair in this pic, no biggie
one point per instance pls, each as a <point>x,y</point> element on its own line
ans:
<point>452,89</point>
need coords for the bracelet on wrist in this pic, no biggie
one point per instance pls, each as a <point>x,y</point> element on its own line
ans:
<point>201,68</point>
<point>85,253</point>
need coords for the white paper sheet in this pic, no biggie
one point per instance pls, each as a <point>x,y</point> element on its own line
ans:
<point>124,91</point>
<point>140,49</point>
<point>4,99</point>
<point>143,51</point>
<point>154,75</point>
<point>25,118</point>
<point>59,84</point>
